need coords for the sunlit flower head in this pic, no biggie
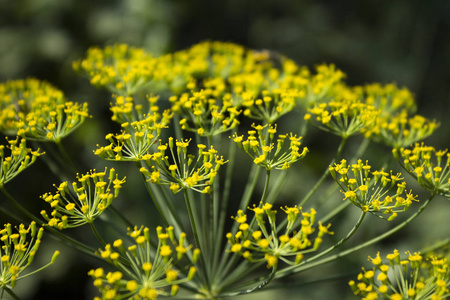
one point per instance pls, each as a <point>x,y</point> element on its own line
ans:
<point>411,278</point>
<point>400,130</point>
<point>146,271</point>
<point>378,192</point>
<point>429,166</point>
<point>343,118</point>
<point>82,201</point>
<point>264,242</point>
<point>182,170</point>
<point>17,252</point>
<point>14,158</point>
<point>204,114</point>
<point>260,146</point>
<point>38,111</point>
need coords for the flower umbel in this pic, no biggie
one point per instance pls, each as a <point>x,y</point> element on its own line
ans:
<point>259,146</point>
<point>182,170</point>
<point>427,165</point>
<point>204,114</point>
<point>372,191</point>
<point>269,244</point>
<point>38,111</point>
<point>145,272</point>
<point>79,205</point>
<point>400,130</point>
<point>343,118</point>
<point>414,278</point>
<point>17,252</point>
<point>19,159</point>
<point>389,98</point>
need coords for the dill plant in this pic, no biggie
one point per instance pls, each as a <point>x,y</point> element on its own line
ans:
<point>209,90</point>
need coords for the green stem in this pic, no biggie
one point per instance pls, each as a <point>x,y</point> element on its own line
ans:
<point>277,186</point>
<point>249,188</point>
<point>248,192</point>
<point>336,211</point>
<point>324,175</point>
<point>307,265</point>
<point>342,241</point>
<point>224,206</point>
<point>224,269</point>
<point>439,245</point>
<point>37,270</point>
<point>260,286</point>
<point>169,211</point>
<point>303,128</point>
<point>263,197</point>
<point>11,293</point>
<point>214,237</point>
<point>119,215</point>
<point>97,235</point>
<point>228,181</point>
<point>194,220</point>
<point>66,156</point>
<point>236,274</point>
<point>55,162</point>
<point>158,208</point>
<point>240,273</point>
<point>319,182</point>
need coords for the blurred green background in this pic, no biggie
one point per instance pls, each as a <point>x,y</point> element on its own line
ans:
<point>407,42</point>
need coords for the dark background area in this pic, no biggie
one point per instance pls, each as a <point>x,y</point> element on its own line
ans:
<point>407,42</point>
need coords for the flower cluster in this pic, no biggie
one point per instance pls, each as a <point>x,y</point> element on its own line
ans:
<point>36,110</point>
<point>396,125</point>
<point>389,98</point>
<point>270,93</point>
<point>139,132</point>
<point>208,91</point>
<point>204,114</point>
<point>125,110</point>
<point>272,104</point>
<point>182,170</point>
<point>145,272</point>
<point>19,158</point>
<point>220,67</point>
<point>17,252</point>
<point>265,243</point>
<point>119,68</point>
<point>400,130</point>
<point>377,192</point>
<point>343,118</point>
<point>427,166</point>
<point>84,201</point>
<point>126,70</point>
<point>414,278</point>
<point>260,147</point>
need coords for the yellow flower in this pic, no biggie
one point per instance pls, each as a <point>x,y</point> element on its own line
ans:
<point>36,110</point>
<point>19,158</point>
<point>146,267</point>
<point>264,152</point>
<point>344,117</point>
<point>18,251</point>
<point>288,247</point>
<point>93,196</point>
<point>415,274</point>
<point>369,190</point>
